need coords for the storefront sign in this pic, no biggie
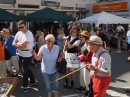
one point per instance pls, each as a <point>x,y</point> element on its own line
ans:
<point>80,5</point>
<point>110,7</point>
<point>52,3</point>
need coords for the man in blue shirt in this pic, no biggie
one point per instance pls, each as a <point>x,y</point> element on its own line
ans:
<point>8,40</point>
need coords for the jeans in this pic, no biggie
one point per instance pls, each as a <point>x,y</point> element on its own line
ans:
<point>25,62</point>
<point>49,78</point>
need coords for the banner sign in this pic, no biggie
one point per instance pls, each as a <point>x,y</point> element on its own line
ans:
<point>110,7</point>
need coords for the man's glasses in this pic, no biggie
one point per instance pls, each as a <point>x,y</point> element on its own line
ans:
<point>81,37</point>
<point>20,27</point>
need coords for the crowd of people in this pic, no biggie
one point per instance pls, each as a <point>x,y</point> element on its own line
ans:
<point>79,48</point>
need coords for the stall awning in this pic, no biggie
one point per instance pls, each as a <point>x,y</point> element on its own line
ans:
<point>49,15</point>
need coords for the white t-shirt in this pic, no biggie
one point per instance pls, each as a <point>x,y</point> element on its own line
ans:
<point>128,37</point>
<point>128,33</point>
<point>119,28</point>
<point>22,37</point>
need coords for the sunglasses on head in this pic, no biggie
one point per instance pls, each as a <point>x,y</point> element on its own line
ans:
<point>20,27</point>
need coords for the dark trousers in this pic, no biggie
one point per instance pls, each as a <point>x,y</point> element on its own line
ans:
<point>90,92</point>
<point>25,62</point>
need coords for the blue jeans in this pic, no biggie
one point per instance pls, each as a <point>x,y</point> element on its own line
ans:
<point>49,78</point>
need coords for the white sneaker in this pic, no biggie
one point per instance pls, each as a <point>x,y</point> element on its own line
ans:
<point>118,51</point>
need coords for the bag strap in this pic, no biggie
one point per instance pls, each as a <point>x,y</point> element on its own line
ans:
<point>97,62</point>
<point>59,52</point>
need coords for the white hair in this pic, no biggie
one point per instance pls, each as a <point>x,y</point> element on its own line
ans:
<point>50,36</point>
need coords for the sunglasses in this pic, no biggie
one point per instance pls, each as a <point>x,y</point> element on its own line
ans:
<point>20,27</point>
<point>48,41</point>
<point>3,31</point>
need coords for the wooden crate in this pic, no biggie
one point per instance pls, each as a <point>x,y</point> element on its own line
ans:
<point>13,81</point>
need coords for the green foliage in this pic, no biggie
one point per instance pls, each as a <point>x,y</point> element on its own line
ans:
<point>83,28</point>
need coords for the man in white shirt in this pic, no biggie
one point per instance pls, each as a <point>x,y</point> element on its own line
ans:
<point>23,41</point>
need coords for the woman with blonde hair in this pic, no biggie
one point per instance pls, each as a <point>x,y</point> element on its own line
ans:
<point>49,55</point>
<point>60,39</point>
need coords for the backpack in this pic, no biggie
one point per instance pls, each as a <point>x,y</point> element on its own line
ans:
<point>105,38</point>
<point>7,54</point>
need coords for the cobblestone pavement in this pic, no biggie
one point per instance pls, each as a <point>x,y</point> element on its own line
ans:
<point>120,81</point>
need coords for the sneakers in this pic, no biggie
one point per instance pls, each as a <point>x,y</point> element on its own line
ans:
<point>25,89</point>
<point>128,58</point>
<point>85,94</point>
<point>31,84</point>
<point>127,91</point>
<point>118,51</point>
<point>81,89</point>
<point>12,75</point>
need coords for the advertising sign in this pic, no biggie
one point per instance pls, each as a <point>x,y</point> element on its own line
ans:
<point>110,7</point>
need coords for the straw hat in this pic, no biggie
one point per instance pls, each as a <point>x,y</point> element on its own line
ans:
<point>95,39</point>
<point>6,31</point>
<point>85,33</point>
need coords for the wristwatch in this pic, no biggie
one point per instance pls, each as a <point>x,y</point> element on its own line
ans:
<point>95,69</point>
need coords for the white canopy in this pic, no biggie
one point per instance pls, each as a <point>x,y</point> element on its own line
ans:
<point>128,18</point>
<point>104,18</point>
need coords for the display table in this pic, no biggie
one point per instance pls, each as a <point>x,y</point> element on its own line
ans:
<point>7,85</point>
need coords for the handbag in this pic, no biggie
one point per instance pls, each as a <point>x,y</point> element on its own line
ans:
<point>61,66</point>
<point>7,54</point>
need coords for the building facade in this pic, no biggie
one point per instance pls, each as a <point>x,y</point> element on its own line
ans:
<point>117,7</point>
<point>75,8</point>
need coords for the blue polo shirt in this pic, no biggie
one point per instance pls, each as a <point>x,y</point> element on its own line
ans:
<point>8,44</point>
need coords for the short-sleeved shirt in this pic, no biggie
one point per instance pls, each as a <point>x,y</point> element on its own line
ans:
<point>119,28</point>
<point>104,63</point>
<point>22,37</point>
<point>9,46</point>
<point>77,42</point>
<point>128,37</point>
<point>49,59</point>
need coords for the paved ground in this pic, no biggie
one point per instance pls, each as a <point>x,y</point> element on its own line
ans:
<point>120,81</point>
